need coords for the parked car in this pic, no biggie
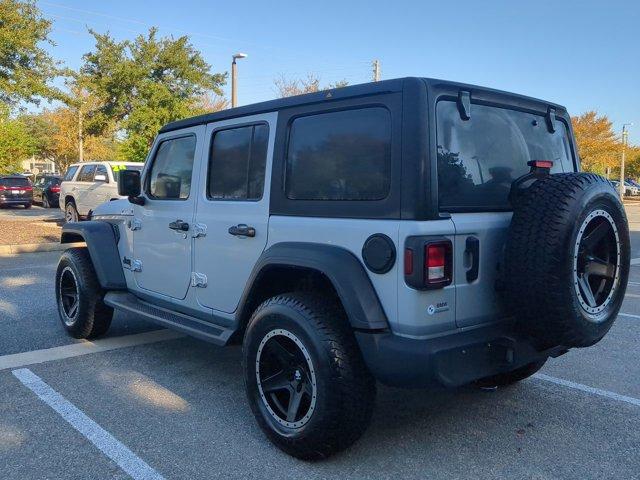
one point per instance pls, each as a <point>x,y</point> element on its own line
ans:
<point>394,231</point>
<point>15,190</point>
<point>629,189</point>
<point>46,190</point>
<point>87,185</point>
<point>633,182</point>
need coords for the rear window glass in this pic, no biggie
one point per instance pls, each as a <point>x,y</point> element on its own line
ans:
<point>340,156</point>
<point>14,182</point>
<point>70,173</point>
<point>480,157</point>
<point>86,173</point>
<point>237,164</point>
<point>116,169</point>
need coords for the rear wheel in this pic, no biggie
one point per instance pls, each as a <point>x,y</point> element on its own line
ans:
<point>70,212</point>
<point>79,296</point>
<point>45,201</point>
<point>306,381</point>
<point>27,205</point>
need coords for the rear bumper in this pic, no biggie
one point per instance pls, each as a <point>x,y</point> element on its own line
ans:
<point>15,200</point>
<point>451,360</point>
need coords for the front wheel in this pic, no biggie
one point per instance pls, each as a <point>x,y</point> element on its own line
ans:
<point>306,381</point>
<point>79,296</point>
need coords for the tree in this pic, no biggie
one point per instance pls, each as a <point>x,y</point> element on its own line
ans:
<point>143,84</point>
<point>598,144</point>
<point>632,163</point>
<point>25,67</point>
<point>310,84</point>
<point>15,143</point>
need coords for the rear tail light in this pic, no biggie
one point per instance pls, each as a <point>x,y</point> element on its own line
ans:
<point>435,260</point>
<point>2,188</point>
<point>27,189</point>
<point>55,189</point>
<point>428,262</point>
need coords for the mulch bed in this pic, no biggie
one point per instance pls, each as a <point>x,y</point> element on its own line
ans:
<point>19,232</point>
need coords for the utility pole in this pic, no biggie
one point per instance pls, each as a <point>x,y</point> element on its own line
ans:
<point>234,78</point>
<point>625,134</point>
<point>376,70</point>
<point>80,135</point>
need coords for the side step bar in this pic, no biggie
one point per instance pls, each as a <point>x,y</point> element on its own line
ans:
<point>192,326</point>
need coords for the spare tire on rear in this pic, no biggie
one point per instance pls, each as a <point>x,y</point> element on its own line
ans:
<point>567,259</point>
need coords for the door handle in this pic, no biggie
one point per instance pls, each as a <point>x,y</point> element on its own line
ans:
<point>179,226</point>
<point>242,230</point>
<point>472,248</point>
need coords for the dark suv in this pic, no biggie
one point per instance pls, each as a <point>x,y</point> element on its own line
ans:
<point>47,190</point>
<point>16,190</point>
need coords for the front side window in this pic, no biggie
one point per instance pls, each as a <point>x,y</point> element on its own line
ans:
<point>170,177</point>
<point>479,158</point>
<point>70,173</point>
<point>342,155</point>
<point>86,173</point>
<point>237,163</point>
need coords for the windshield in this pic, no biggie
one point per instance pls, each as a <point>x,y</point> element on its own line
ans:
<point>117,168</point>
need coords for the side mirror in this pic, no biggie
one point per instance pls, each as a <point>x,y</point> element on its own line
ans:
<point>99,177</point>
<point>129,185</point>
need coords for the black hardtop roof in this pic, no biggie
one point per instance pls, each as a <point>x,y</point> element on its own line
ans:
<point>353,91</point>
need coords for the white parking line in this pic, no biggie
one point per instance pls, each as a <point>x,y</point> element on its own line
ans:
<point>635,261</point>
<point>23,359</point>
<point>630,315</point>
<point>588,389</point>
<point>103,440</point>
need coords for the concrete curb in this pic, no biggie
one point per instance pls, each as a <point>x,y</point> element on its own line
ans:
<point>36,247</point>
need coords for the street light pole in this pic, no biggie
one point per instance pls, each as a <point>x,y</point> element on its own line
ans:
<point>234,78</point>
<point>625,134</point>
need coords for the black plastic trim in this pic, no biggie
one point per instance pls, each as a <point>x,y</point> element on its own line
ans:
<point>343,269</point>
<point>103,249</point>
<point>457,358</point>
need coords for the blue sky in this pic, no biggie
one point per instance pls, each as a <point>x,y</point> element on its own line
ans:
<point>582,54</point>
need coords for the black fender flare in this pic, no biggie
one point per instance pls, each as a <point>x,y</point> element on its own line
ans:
<point>343,269</point>
<point>102,243</point>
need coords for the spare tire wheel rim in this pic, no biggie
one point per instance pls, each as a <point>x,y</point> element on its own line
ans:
<point>286,378</point>
<point>69,295</point>
<point>596,262</point>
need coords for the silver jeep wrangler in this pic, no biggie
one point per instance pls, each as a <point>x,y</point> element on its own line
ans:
<point>415,232</point>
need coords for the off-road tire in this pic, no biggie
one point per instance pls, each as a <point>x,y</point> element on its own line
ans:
<point>71,212</point>
<point>514,376</point>
<point>91,317</point>
<point>542,248</point>
<point>345,388</point>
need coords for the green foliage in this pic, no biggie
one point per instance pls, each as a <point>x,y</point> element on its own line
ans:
<point>25,67</point>
<point>15,143</point>
<point>143,84</point>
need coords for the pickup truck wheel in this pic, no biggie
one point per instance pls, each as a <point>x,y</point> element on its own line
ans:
<point>514,376</point>
<point>306,381</point>
<point>70,212</point>
<point>79,296</point>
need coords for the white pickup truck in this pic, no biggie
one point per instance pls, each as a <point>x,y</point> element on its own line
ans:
<point>87,185</point>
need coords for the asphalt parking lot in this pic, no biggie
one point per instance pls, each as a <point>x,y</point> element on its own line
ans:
<point>175,406</point>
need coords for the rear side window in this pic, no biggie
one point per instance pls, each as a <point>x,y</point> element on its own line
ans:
<point>14,182</point>
<point>101,170</point>
<point>340,156</point>
<point>480,157</point>
<point>170,177</point>
<point>116,169</point>
<point>86,173</point>
<point>237,163</point>
<point>70,173</point>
